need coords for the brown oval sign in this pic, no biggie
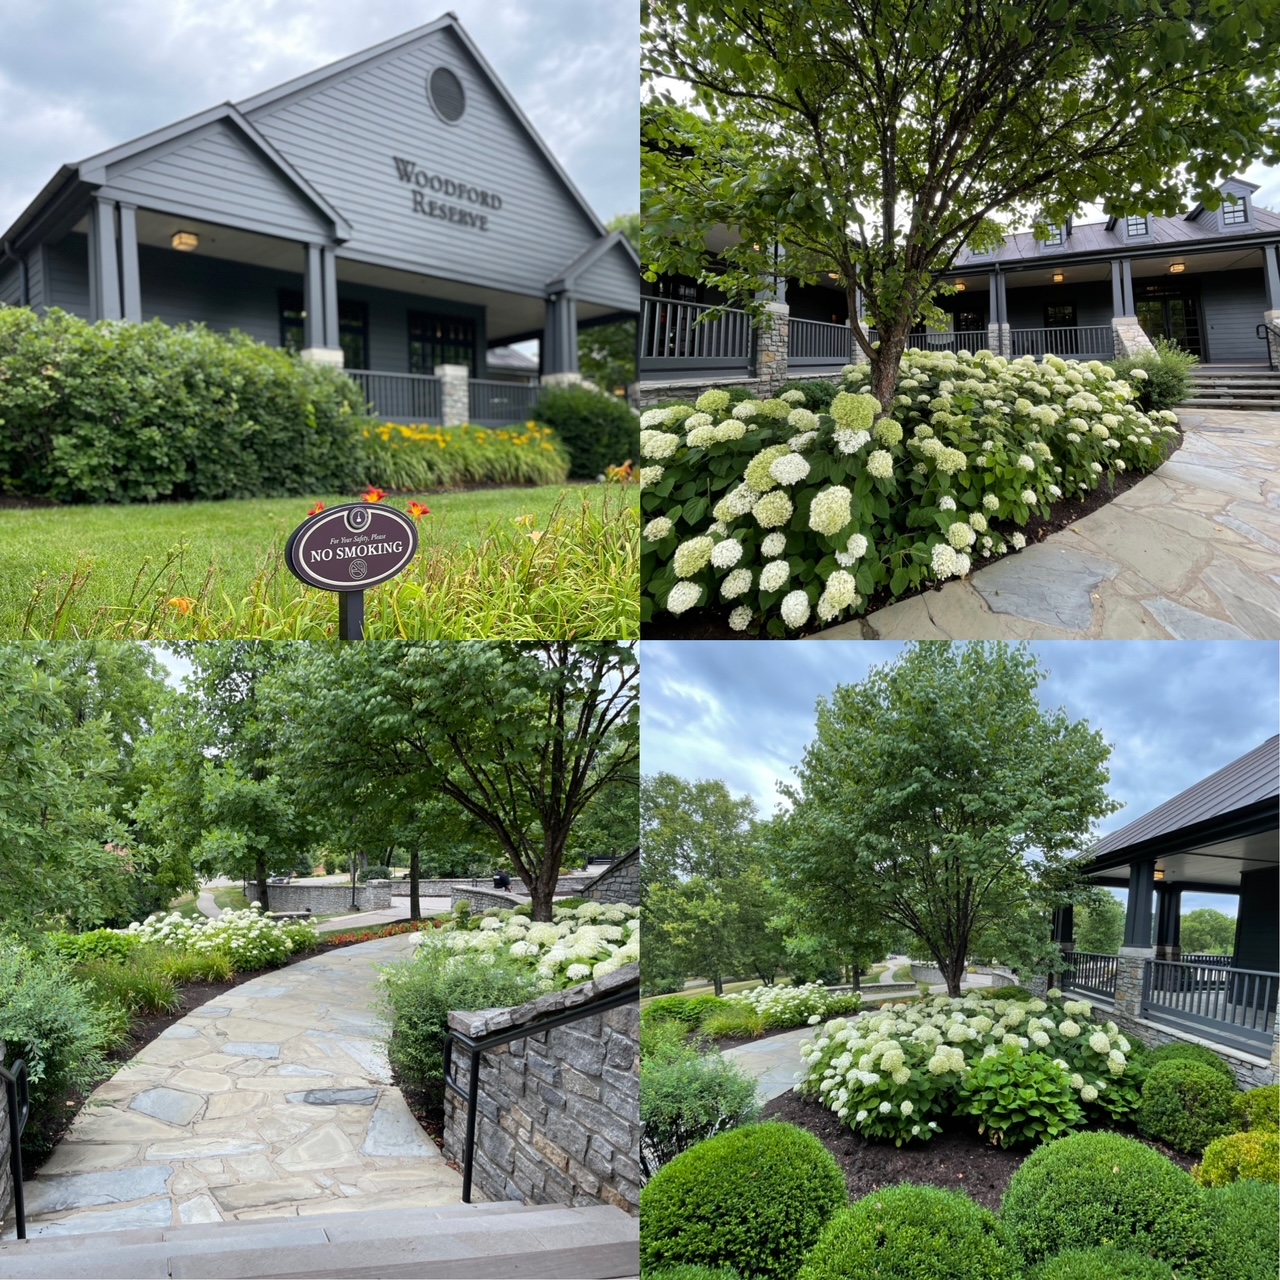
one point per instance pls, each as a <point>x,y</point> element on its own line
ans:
<point>352,547</point>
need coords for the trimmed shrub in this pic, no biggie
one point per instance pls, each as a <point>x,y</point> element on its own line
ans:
<point>911,1233</point>
<point>1168,375</point>
<point>686,1097</point>
<point>1010,993</point>
<point>1186,1105</point>
<point>1259,1108</point>
<point>1240,1155</point>
<point>115,412</point>
<point>1099,1188</point>
<point>1243,1219</point>
<point>97,944</point>
<point>1102,1264</point>
<point>1180,1052</point>
<point>754,1198</point>
<point>598,430</point>
<point>818,395</point>
<point>692,1273</point>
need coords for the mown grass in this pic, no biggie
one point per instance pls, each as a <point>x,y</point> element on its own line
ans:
<point>522,563</point>
<point>230,899</point>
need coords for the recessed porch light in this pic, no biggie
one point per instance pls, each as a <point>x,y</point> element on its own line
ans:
<point>185,240</point>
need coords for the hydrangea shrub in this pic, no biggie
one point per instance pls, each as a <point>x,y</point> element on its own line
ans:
<point>785,516</point>
<point>900,1072</point>
<point>249,938</point>
<point>781,1007</point>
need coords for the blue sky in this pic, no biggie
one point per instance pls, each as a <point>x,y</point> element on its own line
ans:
<point>77,76</point>
<point>1173,711</point>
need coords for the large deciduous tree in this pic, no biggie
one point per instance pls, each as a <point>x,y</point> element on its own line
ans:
<point>1099,924</point>
<point>944,798</point>
<point>1207,931</point>
<point>875,138</point>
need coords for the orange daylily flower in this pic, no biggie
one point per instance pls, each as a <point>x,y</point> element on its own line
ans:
<point>183,604</point>
<point>417,510</point>
<point>316,510</point>
<point>372,494</point>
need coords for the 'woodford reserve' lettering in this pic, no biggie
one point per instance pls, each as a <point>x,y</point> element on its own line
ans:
<point>424,182</point>
<point>357,552</point>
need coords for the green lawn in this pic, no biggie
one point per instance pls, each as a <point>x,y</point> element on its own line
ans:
<point>231,899</point>
<point>186,906</point>
<point>215,569</point>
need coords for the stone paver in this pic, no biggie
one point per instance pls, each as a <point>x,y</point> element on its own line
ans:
<point>1191,552</point>
<point>275,1101</point>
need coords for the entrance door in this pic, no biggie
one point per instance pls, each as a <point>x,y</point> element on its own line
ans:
<point>1171,314</point>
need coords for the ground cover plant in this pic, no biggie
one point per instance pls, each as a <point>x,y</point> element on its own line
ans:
<point>250,939</point>
<point>786,518</point>
<point>497,563</point>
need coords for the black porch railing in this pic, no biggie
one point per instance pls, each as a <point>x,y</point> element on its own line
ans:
<point>400,397</point>
<point>1234,1006</point>
<point>491,403</point>
<point>815,342</point>
<point>476,1045</point>
<point>1093,973</point>
<point>1192,957</point>
<point>19,1107</point>
<point>1085,341</point>
<point>682,337</point>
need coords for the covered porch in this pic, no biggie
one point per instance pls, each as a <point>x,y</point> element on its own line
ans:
<point>1219,837</point>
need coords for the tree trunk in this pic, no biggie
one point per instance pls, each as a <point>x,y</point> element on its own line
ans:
<point>542,891</point>
<point>952,974</point>
<point>260,875</point>
<point>415,907</point>
<point>884,365</point>
<point>856,980</point>
<point>718,983</point>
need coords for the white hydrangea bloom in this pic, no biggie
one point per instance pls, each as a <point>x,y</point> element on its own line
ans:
<point>852,441</point>
<point>1026,462</point>
<point>746,409</point>
<point>649,476</point>
<point>1019,540</point>
<point>880,464</point>
<point>1028,496</point>
<point>658,444</point>
<point>656,529</point>
<point>802,419</point>
<point>794,396</point>
<point>946,503</point>
<point>790,469</point>
<point>652,418</point>
<point>725,554</point>
<point>684,595</point>
<point>943,560</point>
<point>773,509</point>
<point>830,510</point>
<point>692,556</point>
<point>736,584</point>
<point>856,546</point>
<point>737,502</point>
<point>978,521</point>
<point>795,609</point>
<point>774,544</point>
<point>773,577</point>
<point>961,535</point>
<point>1089,1093</point>
<point>1099,1042</point>
<point>839,594</point>
<point>740,618</point>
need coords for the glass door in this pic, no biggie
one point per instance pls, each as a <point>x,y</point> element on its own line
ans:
<point>1171,315</point>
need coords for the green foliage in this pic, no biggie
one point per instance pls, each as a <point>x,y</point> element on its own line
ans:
<point>1260,1108</point>
<point>818,393</point>
<point>115,412</point>
<point>1018,1098</point>
<point>911,1233</point>
<point>1102,1264</point>
<point>598,430</point>
<point>607,355</point>
<point>691,1272</point>
<point>755,1198</point>
<point>422,992</point>
<point>1255,1154</point>
<point>409,459</point>
<point>138,984</point>
<point>736,1020</point>
<point>687,1010</point>
<point>1207,931</point>
<point>1094,1189</point>
<point>687,1097</point>
<point>200,966</point>
<point>97,944</point>
<point>1011,993</point>
<point>1099,925</point>
<point>52,1021</point>
<point>1243,1218</point>
<point>1181,1051</point>
<point>659,1035</point>
<point>1168,383</point>
<point>1187,1105</point>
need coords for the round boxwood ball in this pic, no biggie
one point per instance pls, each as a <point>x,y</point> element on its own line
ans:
<point>1102,1264</point>
<point>1179,1051</point>
<point>754,1198</point>
<point>688,1272</point>
<point>1186,1104</point>
<point>911,1233</point>
<point>1244,1219</point>
<point>1093,1189</point>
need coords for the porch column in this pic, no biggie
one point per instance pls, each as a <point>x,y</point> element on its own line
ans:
<point>455,393</point>
<point>1168,922</point>
<point>1064,935</point>
<point>560,337</point>
<point>130,284</point>
<point>319,298</point>
<point>1137,948</point>
<point>772,337</point>
<point>1271,317</point>
<point>329,282</point>
<point>1117,289</point>
<point>1128,336</point>
<point>999,340</point>
<point>1126,287</point>
<point>24,282</point>
<point>104,269</point>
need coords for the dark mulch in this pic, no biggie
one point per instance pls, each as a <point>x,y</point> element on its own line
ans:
<point>712,624</point>
<point>958,1158</point>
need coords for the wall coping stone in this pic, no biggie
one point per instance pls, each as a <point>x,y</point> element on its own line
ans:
<point>482,1022</point>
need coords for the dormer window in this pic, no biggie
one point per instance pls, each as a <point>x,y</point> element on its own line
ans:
<point>1136,225</point>
<point>1234,212</point>
<point>1056,234</point>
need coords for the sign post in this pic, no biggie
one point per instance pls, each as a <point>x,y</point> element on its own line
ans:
<point>348,549</point>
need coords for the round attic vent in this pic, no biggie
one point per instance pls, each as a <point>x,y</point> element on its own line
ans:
<point>445,91</point>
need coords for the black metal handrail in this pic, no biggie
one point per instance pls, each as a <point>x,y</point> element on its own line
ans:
<point>1092,971</point>
<point>19,1108</point>
<point>476,1045</point>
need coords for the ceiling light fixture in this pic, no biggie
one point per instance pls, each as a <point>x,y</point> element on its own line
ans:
<point>1058,277</point>
<point>1159,873</point>
<point>185,240</point>
<point>833,275</point>
<point>961,286</point>
<point>1177,267</point>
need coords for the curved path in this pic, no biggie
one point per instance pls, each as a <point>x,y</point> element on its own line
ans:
<point>273,1100</point>
<point>1189,553</point>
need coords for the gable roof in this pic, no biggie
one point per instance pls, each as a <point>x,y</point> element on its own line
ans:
<point>593,253</point>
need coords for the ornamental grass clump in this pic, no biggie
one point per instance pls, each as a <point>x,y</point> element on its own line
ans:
<point>755,1199</point>
<point>918,1232</point>
<point>899,1072</point>
<point>1099,1188</point>
<point>829,508</point>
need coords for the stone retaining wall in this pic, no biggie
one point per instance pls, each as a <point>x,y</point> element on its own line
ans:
<point>619,882</point>
<point>558,1120</point>
<point>6,1178</point>
<point>1250,1071</point>
<point>483,899</point>
<point>325,899</point>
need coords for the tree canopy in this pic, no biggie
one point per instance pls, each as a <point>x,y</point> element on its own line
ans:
<point>942,798</point>
<point>876,140</point>
<point>1208,932</point>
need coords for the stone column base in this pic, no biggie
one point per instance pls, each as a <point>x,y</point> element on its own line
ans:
<point>324,355</point>
<point>1129,970</point>
<point>771,345</point>
<point>1130,337</point>
<point>563,380</point>
<point>859,356</point>
<point>455,396</point>
<point>1272,320</point>
<point>999,341</point>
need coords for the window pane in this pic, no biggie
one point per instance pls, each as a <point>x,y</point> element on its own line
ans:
<point>292,321</point>
<point>1136,226</point>
<point>353,333</point>
<point>1060,316</point>
<point>437,339</point>
<point>1233,213</point>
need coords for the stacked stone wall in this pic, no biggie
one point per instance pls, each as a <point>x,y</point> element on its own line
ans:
<point>558,1116</point>
<point>1250,1071</point>
<point>619,882</point>
<point>325,899</point>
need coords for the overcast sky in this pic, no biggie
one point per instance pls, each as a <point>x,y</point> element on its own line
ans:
<point>77,76</point>
<point>1172,711</point>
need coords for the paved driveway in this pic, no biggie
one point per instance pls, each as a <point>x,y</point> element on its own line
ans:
<point>1192,552</point>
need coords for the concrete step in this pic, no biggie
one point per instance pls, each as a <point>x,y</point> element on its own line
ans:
<point>461,1242</point>
<point>1240,406</point>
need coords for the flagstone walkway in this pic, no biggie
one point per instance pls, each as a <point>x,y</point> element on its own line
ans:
<point>1191,552</point>
<point>274,1100</point>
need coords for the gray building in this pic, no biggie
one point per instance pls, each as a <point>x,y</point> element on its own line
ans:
<point>394,212</point>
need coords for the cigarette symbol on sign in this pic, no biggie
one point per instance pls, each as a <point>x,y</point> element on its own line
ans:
<point>358,569</point>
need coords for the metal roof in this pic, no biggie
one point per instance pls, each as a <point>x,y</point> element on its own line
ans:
<point>1251,779</point>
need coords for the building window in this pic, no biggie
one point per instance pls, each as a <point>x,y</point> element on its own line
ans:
<point>1056,234</point>
<point>1060,316</point>
<point>353,333</point>
<point>435,340</point>
<point>1233,214</point>
<point>1136,226</point>
<point>293,324</point>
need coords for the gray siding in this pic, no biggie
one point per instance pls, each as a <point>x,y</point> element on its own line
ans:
<point>611,280</point>
<point>342,134</point>
<point>67,265</point>
<point>389,323</point>
<point>1092,300</point>
<point>1232,303</point>
<point>10,291</point>
<point>35,276</point>
<point>216,173</point>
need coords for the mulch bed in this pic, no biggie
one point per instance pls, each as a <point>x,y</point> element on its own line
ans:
<point>712,624</point>
<point>957,1159</point>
